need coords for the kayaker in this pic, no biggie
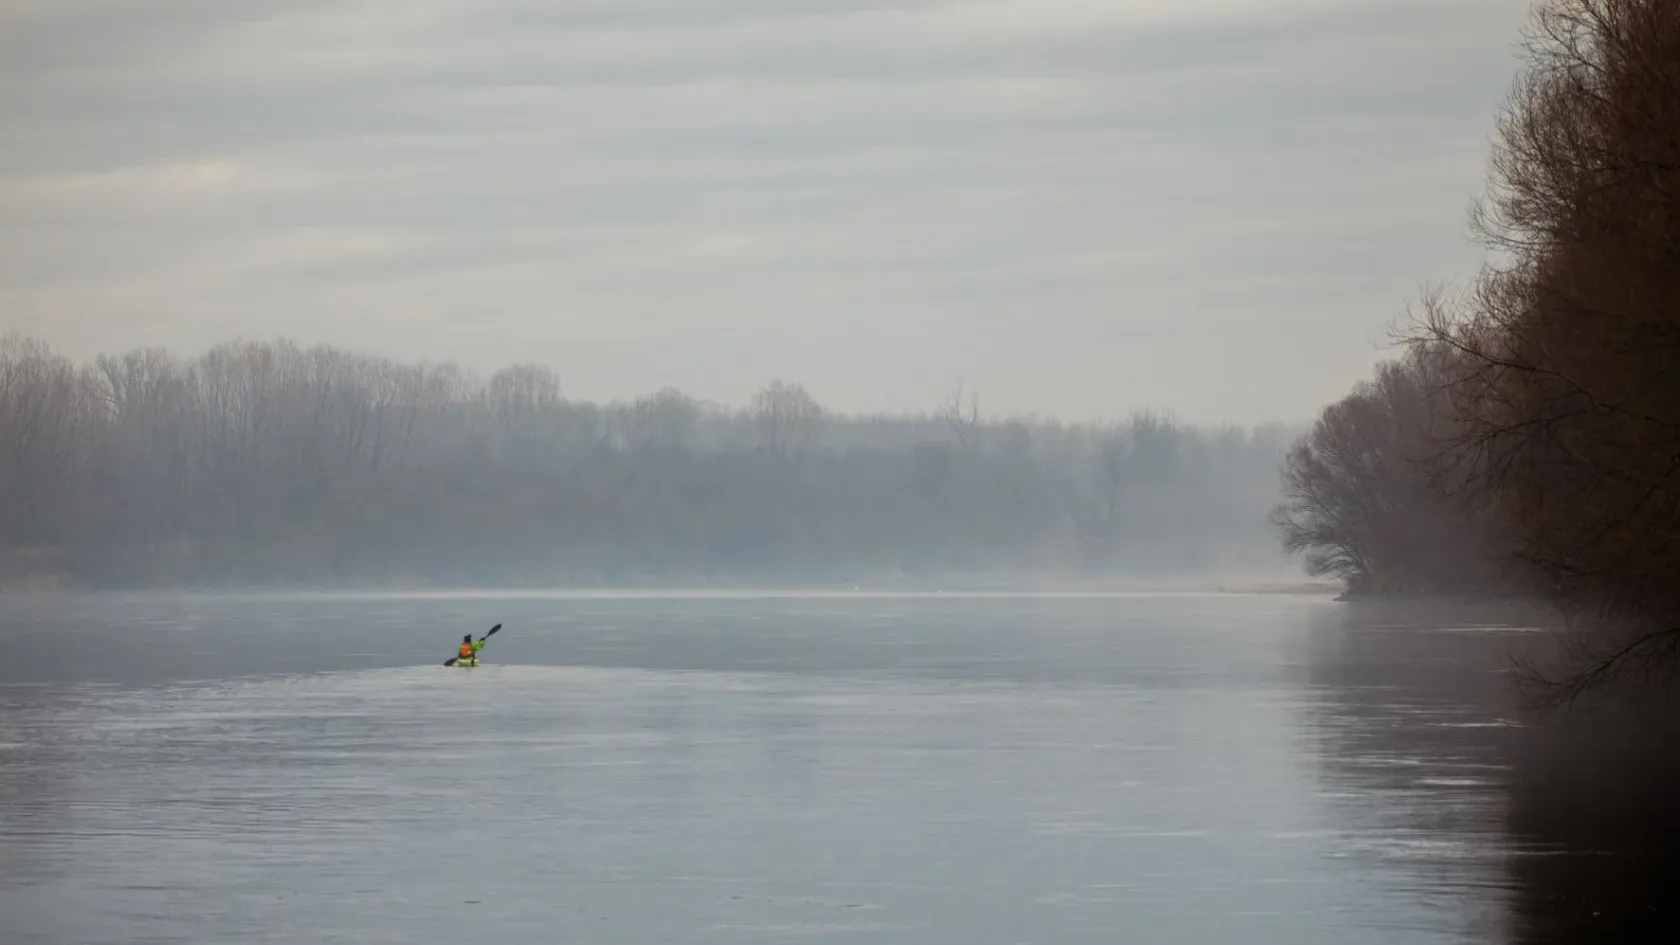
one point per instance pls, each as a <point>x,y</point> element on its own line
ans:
<point>469,649</point>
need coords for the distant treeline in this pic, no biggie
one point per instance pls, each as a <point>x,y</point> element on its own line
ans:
<point>1529,439</point>
<point>267,462</point>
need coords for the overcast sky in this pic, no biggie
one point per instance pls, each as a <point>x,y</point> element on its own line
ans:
<point>1078,207</point>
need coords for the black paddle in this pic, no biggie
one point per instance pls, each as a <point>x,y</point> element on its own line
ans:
<point>453,659</point>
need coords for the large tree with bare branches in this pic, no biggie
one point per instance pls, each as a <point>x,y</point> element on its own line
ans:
<point>1371,499</point>
<point>1570,404</point>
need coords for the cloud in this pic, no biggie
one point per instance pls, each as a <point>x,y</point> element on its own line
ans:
<point>1078,205</point>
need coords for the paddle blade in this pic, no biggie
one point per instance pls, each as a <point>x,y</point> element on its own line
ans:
<point>492,631</point>
<point>451,661</point>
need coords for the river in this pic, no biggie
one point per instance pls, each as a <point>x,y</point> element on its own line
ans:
<point>1177,768</point>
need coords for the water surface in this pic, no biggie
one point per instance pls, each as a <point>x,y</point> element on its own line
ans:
<point>1157,768</point>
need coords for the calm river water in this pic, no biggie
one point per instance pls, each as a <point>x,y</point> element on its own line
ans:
<point>947,769</point>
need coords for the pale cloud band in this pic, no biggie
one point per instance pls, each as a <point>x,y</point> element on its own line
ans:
<point>1078,206</point>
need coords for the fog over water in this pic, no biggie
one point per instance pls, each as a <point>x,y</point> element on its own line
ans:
<point>1188,767</point>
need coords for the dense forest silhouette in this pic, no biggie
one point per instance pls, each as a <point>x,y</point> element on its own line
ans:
<point>267,462</point>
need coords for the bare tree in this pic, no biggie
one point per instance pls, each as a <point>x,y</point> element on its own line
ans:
<point>788,419</point>
<point>666,418</point>
<point>962,417</point>
<point>1370,499</point>
<point>1570,401</point>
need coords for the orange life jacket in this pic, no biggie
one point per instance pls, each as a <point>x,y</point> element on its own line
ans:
<point>467,651</point>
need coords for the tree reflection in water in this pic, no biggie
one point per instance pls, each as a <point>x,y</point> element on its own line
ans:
<point>1559,829</point>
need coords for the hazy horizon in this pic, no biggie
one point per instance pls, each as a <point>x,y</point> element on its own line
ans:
<point>272,464</point>
<point>1075,208</point>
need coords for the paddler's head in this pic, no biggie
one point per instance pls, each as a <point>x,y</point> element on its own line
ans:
<point>467,638</point>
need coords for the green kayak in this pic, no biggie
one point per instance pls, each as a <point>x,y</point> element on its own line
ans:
<point>467,664</point>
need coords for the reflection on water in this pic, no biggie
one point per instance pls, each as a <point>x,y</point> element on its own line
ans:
<point>1599,793</point>
<point>1563,828</point>
<point>1173,769</point>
